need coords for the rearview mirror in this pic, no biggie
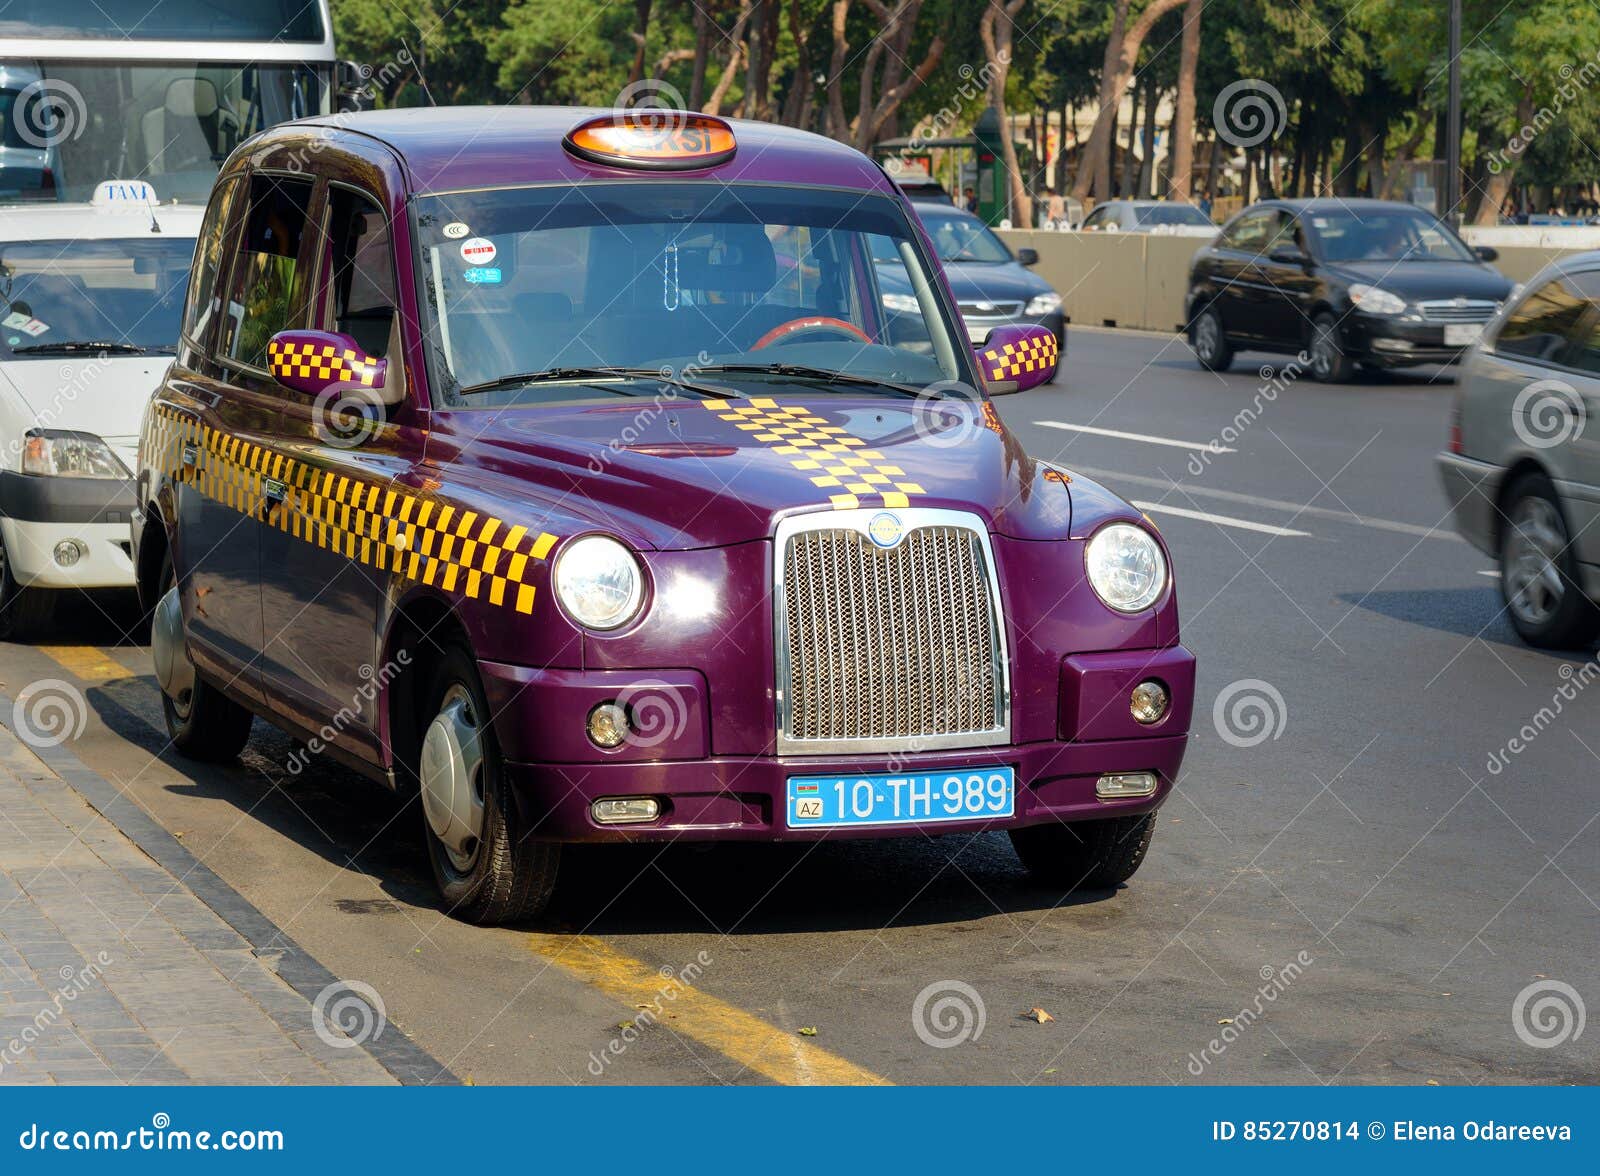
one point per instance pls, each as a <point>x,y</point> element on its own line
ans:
<point>1486,252</point>
<point>1016,358</point>
<point>318,362</point>
<point>1026,256</point>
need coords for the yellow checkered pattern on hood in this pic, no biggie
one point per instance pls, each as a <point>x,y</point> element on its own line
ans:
<point>1011,360</point>
<point>392,530</point>
<point>835,461</point>
<point>321,361</point>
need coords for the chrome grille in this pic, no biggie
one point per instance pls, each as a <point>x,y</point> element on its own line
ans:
<point>889,648</point>
<point>1458,310</point>
<point>990,309</point>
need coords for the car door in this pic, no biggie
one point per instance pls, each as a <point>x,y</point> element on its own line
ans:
<point>1240,285</point>
<point>1575,461</point>
<point>323,586</point>
<point>1284,267</point>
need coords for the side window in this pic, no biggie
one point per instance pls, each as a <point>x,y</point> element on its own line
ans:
<point>202,303</point>
<point>1096,221</point>
<point>359,299</point>
<point>1544,323</point>
<point>1585,355</point>
<point>1251,232</point>
<point>267,287</point>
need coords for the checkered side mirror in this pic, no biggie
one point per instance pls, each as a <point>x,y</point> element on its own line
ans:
<point>324,361</point>
<point>1016,358</point>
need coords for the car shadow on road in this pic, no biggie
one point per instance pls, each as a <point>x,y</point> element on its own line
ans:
<point>1465,612</point>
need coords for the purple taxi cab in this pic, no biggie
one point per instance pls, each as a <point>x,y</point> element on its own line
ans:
<point>559,466</point>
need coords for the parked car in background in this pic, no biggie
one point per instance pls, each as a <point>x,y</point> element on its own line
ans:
<point>1522,471</point>
<point>1148,216</point>
<point>993,287</point>
<point>1371,282</point>
<point>89,301</point>
<point>924,188</point>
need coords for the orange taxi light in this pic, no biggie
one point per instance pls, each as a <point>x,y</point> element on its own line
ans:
<point>653,138</point>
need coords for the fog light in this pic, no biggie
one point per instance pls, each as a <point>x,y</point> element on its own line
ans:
<point>1383,344</point>
<point>69,552</point>
<point>608,724</point>
<point>1122,785</point>
<point>1149,702</point>
<point>625,810</point>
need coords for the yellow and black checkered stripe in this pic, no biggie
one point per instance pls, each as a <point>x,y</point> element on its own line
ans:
<point>321,361</point>
<point>833,459</point>
<point>395,531</point>
<point>1011,360</point>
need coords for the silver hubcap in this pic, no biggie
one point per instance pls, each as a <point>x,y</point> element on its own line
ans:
<point>452,778</point>
<point>1324,351</point>
<point>1207,336</point>
<point>1532,561</point>
<point>170,653</point>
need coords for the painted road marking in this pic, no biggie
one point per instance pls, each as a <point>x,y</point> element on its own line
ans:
<point>764,1048</point>
<point>1492,574</point>
<point>1202,446</point>
<point>86,662</point>
<point>1223,520</point>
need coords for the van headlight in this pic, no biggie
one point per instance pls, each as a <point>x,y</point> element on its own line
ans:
<point>598,582</point>
<point>901,303</point>
<point>1043,304</point>
<point>66,454</point>
<point>1376,300</point>
<point>1126,568</point>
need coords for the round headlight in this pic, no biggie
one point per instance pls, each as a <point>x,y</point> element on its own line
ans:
<point>1126,567</point>
<point>598,582</point>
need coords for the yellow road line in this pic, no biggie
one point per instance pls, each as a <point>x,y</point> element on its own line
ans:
<point>87,662</point>
<point>755,1044</point>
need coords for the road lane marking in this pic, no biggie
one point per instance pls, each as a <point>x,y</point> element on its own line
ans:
<point>1202,446</point>
<point>87,662</point>
<point>1223,520</point>
<point>1493,575</point>
<point>755,1044</point>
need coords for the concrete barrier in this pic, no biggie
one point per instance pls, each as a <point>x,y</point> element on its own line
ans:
<point>1140,279</point>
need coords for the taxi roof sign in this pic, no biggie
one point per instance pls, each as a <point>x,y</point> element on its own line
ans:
<point>653,139</point>
<point>124,194</point>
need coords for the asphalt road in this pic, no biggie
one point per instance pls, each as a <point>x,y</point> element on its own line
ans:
<point>1339,891</point>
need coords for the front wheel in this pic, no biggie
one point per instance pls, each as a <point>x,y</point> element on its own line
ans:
<point>488,869</point>
<point>1329,363</point>
<point>202,722</point>
<point>1209,341</point>
<point>1539,574</point>
<point>24,612</point>
<point>1085,855</point>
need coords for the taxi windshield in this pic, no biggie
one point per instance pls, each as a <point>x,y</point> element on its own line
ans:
<point>114,296</point>
<point>543,295</point>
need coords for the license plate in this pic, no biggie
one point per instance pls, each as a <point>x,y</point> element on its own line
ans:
<point>978,334</point>
<point>1461,334</point>
<point>964,794</point>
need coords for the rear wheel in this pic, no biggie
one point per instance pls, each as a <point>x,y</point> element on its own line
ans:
<point>1329,363</point>
<point>202,722</point>
<point>1209,341</point>
<point>1085,855</point>
<point>23,611</point>
<point>1539,576</point>
<point>488,869</point>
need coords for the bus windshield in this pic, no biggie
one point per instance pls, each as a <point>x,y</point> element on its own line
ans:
<point>170,20</point>
<point>72,124</point>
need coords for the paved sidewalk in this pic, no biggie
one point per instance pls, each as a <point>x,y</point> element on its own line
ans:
<point>113,970</point>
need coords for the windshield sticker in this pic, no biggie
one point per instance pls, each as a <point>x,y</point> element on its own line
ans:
<point>478,251</point>
<point>482,276</point>
<point>27,324</point>
<point>455,230</point>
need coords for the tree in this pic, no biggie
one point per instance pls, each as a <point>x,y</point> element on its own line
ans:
<point>997,28</point>
<point>1181,167</point>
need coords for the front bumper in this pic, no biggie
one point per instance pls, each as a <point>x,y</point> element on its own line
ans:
<point>37,513</point>
<point>1389,341</point>
<point>1472,487</point>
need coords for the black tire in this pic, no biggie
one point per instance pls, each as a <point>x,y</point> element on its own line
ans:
<point>207,725</point>
<point>1209,341</point>
<point>511,876</point>
<point>24,612</point>
<point>1329,363</point>
<point>1085,855</point>
<point>1540,580</point>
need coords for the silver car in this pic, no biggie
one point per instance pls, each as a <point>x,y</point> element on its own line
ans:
<point>1523,469</point>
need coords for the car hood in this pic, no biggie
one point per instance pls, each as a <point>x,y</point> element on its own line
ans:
<point>1008,282</point>
<point>105,397</point>
<point>707,474</point>
<point>1416,281</point>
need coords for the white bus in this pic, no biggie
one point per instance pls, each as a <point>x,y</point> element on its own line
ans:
<point>156,90</point>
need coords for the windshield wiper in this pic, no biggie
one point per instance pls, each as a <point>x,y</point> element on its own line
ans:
<point>118,346</point>
<point>556,375</point>
<point>800,371</point>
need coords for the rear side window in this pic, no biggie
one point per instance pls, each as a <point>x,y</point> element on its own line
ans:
<point>201,305</point>
<point>1544,323</point>
<point>1585,356</point>
<point>267,288</point>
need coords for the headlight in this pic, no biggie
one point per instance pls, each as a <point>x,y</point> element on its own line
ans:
<point>1376,300</point>
<point>902,303</point>
<point>1043,303</point>
<point>598,582</point>
<point>66,454</point>
<point>1126,568</point>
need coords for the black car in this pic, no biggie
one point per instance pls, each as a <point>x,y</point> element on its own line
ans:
<point>1371,282</point>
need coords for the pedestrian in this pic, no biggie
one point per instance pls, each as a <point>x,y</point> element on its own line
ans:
<point>972,201</point>
<point>1055,208</point>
